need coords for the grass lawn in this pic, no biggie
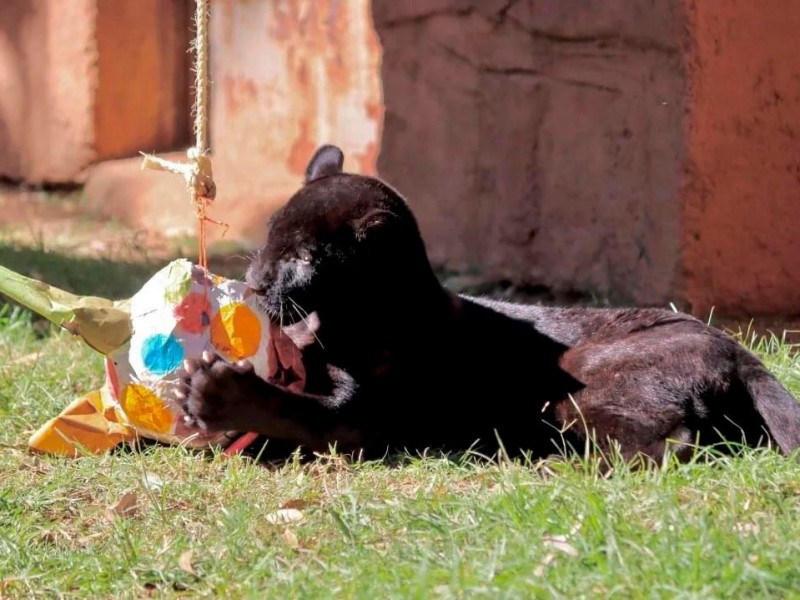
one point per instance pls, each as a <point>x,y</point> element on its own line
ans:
<point>433,528</point>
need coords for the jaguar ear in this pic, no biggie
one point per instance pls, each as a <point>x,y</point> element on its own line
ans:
<point>327,160</point>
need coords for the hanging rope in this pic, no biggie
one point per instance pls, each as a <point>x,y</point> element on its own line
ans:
<point>197,172</point>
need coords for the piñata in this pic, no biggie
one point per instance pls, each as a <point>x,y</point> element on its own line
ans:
<point>179,313</point>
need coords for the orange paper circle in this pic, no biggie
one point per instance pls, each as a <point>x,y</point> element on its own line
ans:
<point>145,410</point>
<point>236,331</point>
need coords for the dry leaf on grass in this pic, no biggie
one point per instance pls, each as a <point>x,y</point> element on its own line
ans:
<point>559,542</point>
<point>285,516</point>
<point>185,562</point>
<point>752,528</point>
<point>539,570</point>
<point>125,507</point>
<point>290,537</point>
<point>152,481</point>
<point>48,537</point>
<point>297,503</point>
<point>86,540</point>
<point>24,360</point>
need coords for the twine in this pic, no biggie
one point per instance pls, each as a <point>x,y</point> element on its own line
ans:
<point>196,172</point>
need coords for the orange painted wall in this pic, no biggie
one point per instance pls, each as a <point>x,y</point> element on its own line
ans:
<point>741,230</point>
<point>648,151</point>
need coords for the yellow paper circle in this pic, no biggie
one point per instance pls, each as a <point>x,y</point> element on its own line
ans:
<point>236,331</point>
<point>145,409</point>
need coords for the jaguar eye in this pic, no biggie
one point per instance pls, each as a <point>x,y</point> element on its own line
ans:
<point>304,256</point>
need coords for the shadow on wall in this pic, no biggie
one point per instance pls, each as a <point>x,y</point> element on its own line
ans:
<point>539,141</point>
<point>645,151</point>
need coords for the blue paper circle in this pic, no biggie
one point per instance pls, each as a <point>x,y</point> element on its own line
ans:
<point>161,353</point>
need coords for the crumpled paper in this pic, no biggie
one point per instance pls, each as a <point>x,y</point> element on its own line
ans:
<point>180,312</point>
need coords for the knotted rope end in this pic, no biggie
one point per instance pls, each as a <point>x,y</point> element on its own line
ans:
<point>197,173</point>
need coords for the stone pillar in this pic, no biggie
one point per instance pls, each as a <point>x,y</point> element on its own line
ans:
<point>86,80</point>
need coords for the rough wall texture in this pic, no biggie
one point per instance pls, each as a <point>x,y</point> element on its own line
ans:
<point>47,78</point>
<point>742,197</point>
<point>289,76</point>
<point>86,80</point>
<point>541,141</point>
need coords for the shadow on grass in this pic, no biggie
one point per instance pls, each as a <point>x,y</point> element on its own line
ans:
<point>80,275</point>
<point>104,277</point>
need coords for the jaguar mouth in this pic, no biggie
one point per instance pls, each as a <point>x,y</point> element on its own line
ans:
<point>285,351</point>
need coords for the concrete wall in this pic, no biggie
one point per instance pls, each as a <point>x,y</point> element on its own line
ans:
<point>642,150</point>
<point>289,76</point>
<point>540,141</point>
<point>47,77</point>
<point>142,98</point>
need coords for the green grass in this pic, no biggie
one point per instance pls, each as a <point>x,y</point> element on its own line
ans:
<point>432,528</point>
